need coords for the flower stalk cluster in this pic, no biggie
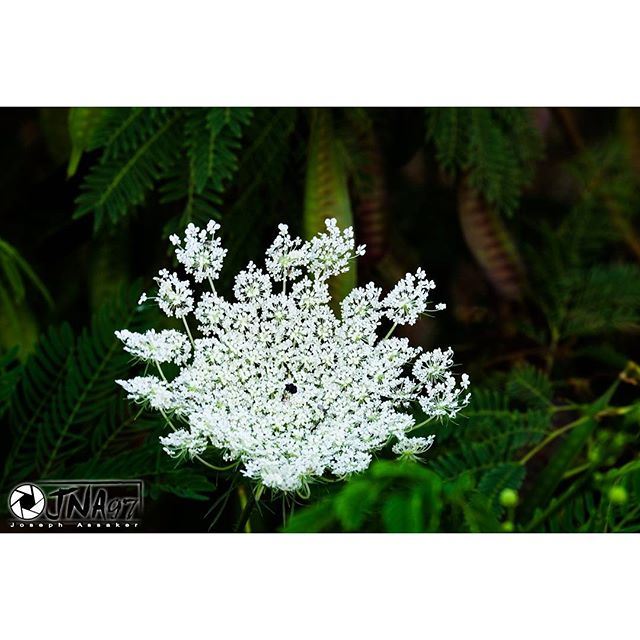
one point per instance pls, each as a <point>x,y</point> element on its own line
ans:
<point>275,380</point>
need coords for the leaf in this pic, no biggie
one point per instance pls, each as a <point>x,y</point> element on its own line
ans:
<point>120,182</point>
<point>403,513</point>
<point>563,457</point>
<point>490,243</point>
<point>478,515</point>
<point>83,122</point>
<point>10,372</point>
<point>186,482</point>
<point>314,518</point>
<point>14,267</point>
<point>530,385</point>
<point>496,147</point>
<point>41,375</point>
<point>505,476</point>
<point>354,503</point>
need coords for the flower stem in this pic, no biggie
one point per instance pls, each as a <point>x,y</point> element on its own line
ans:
<point>551,437</point>
<point>254,497</point>
<point>186,326</point>
<point>393,328</point>
<point>420,424</point>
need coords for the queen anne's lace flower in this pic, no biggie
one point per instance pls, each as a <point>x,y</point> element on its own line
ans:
<point>280,384</point>
<point>412,448</point>
<point>165,346</point>
<point>174,295</point>
<point>408,299</point>
<point>201,253</point>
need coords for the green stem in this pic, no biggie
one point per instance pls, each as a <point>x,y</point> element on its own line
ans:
<point>186,326</point>
<point>551,437</point>
<point>573,490</point>
<point>393,328</point>
<point>249,507</point>
<point>420,424</point>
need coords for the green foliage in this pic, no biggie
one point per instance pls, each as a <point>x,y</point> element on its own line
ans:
<point>83,122</point>
<point>398,497</point>
<point>10,371</point>
<point>580,290</point>
<point>530,385</point>
<point>191,152</point>
<point>268,150</point>
<point>69,419</point>
<point>496,147</point>
<point>15,320</point>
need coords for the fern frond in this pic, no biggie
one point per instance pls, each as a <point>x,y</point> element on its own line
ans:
<point>263,163</point>
<point>206,165</point>
<point>212,137</point>
<point>121,181</point>
<point>88,386</point>
<point>120,131</point>
<point>39,381</point>
<point>497,147</point>
<point>530,385</point>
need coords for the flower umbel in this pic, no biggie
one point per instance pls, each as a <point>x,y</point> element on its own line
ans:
<point>277,381</point>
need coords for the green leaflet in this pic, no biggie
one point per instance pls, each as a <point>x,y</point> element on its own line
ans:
<point>530,385</point>
<point>83,122</point>
<point>397,497</point>
<point>14,267</point>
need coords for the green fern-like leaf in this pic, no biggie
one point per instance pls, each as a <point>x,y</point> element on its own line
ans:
<point>504,476</point>
<point>83,123</point>
<point>130,166</point>
<point>40,378</point>
<point>88,386</point>
<point>531,386</point>
<point>209,161</point>
<point>496,147</point>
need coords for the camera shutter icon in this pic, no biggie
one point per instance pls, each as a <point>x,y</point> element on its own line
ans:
<point>27,501</point>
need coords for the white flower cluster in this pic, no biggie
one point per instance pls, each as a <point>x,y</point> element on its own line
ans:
<point>201,254</point>
<point>277,381</point>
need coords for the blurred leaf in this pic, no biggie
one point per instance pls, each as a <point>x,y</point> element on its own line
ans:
<point>83,122</point>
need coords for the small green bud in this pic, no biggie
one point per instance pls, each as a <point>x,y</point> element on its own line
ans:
<point>507,527</point>
<point>595,454</point>
<point>508,498</point>
<point>618,495</point>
